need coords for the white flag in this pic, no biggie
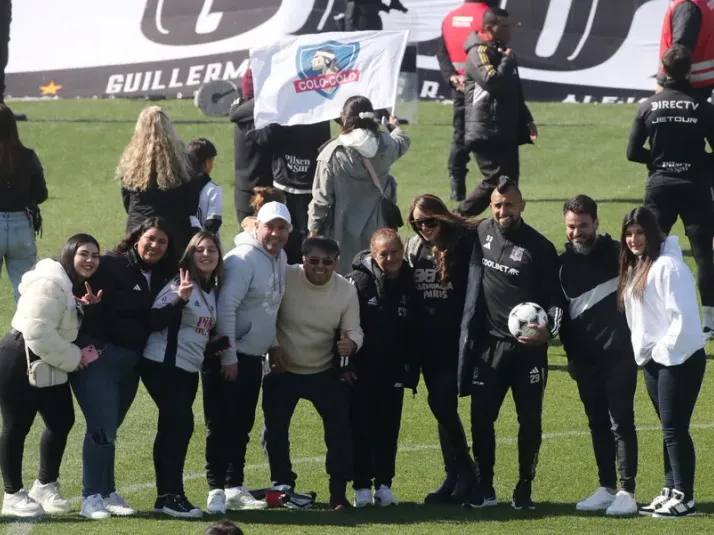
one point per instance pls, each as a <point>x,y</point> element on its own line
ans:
<point>306,79</point>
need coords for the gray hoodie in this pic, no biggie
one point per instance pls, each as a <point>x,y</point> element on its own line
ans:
<point>253,287</point>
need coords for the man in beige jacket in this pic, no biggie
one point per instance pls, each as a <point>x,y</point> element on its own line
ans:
<point>318,331</point>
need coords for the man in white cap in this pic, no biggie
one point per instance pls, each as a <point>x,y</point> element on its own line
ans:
<point>253,287</point>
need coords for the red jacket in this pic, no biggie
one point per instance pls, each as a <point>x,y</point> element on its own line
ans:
<point>457,26</point>
<point>702,74</point>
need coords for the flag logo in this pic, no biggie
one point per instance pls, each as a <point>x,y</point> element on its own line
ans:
<point>324,67</point>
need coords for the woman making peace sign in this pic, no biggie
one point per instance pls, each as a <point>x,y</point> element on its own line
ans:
<point>182,318</point>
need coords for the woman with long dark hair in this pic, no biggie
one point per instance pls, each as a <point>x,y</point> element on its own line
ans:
<point>440,255</point>
<point>659,295</point>
<point>44,326</point>
<point>22,189</point>
<point>182,319</point>
<point>346,203</point>
<point>130,277</point>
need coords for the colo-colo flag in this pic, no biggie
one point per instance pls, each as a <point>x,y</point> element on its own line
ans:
<point>307,79</point>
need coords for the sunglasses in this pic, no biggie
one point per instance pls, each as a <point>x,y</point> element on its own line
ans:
<point>315,261</point>
<point>427,222</point>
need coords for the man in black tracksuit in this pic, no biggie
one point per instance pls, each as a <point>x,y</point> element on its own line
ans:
<point>514,264</point>
<point>596,340</point>
<point>497,117</point>
<point>294,150</point>
<point>678,126</point>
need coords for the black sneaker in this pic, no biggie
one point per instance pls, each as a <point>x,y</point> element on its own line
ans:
<point>475,499</point>
<point>489,497</point>
<point>659,500</point>
<point>442,495</point>
<point>178,506</point>
<point>708,333</point>
<point>522,496</point>
<point>159,504</point>
<point>339,502</point>
<point>676,507</point>
<point>465,485</point>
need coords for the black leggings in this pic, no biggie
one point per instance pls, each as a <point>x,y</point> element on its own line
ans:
<point>19,404</point>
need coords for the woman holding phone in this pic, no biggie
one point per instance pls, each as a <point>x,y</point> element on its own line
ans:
<point>45,324</point>
<point>182,319</point>
<point>130,277</point>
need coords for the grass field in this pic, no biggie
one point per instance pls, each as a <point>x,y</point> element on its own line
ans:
<point>581,150</point>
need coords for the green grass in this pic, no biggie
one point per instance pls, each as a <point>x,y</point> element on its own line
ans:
<point>581,151</point>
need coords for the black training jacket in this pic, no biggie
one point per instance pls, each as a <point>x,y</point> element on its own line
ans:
<point>594,329</point>
<point>389,316</point>
<point>252,163</point>
<point>495,107</point>
<point>677,127</point>
<point>505,270</point>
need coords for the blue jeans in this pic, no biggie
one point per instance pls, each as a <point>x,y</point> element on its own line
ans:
<point>17,246</point>
<point>104,390</point>
<point>674,391</point>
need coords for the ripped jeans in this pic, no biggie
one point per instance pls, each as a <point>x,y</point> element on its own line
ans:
<point>104,390</point>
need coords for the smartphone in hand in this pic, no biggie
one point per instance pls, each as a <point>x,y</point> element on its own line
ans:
<point>89,354</point>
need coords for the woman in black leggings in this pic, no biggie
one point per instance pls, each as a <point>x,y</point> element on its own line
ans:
<point>47,321</point>
<point>659,295</point>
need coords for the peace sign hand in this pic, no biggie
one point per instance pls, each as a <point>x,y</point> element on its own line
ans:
<point>89,298</point>
<point>185,286</point>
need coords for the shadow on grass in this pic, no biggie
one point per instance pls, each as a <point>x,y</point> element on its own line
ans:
<point>601,201</point>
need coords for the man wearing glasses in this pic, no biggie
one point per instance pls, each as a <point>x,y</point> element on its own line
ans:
<point>318,331</point>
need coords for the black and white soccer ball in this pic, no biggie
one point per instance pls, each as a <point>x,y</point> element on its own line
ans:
<point>524,315</point>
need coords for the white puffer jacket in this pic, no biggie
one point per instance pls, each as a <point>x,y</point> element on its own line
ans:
<point>47,315</point>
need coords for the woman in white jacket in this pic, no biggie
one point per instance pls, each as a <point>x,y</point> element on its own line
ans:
<point>346,204</point>
<point>659,295</point>
<point>46,321</point>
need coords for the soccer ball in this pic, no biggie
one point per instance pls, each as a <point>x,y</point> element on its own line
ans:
<point>523,315</point>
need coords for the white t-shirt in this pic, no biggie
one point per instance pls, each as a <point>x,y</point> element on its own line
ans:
<point>210,205</point>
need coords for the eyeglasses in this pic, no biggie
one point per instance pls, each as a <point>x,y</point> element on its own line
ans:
<point>427,222</point>
<point>315,261</point>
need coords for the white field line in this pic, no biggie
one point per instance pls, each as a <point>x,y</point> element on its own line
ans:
<point>24,527</point>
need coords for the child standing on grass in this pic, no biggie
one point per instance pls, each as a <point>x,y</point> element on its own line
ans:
<point>209,217</point>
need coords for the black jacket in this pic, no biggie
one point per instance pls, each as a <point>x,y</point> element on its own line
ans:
<point>252,163</point>
<point>677,126</point>
<point>594,329</point>
<point>27,186</point>
<point>527,265</point>
<point>294,150</point>
<point>495,107</point>
<point>123,316</point>
<point>389,318</point>
<point>176,205</point>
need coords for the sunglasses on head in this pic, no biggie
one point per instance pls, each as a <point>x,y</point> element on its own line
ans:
<point>315,261</point>
<point>427,222</point>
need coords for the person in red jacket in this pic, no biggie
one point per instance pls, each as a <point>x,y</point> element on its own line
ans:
<point>691,23</point>
<point>455,28</point>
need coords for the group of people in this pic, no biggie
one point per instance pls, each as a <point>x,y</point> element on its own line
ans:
<point>343,313</point>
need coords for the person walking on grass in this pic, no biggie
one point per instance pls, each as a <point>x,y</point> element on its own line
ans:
<point>658,292</point>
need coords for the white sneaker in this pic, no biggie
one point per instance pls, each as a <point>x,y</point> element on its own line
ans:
<point>93,507</point>
<point>624,504</point>
<point>117,505</point>
<point>239,498</point>
<point>48,496</point>
<point>363,497</point>
<point>384,498</point>
<point>676,507</point>
<point>663,497</point>
<point>20,504</point>
<point>216,504</point>
<point>599,501</point>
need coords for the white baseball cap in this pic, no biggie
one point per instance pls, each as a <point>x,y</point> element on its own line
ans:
<point>274,210</point>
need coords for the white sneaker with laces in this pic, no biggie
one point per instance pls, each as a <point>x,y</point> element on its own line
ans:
<point>240,498</point>
<point>216,503</point>
<point>599,501</point>
<point>363,497</point>
<point>20,504</point>
<point>676,507</point>
<point>384,498</point>
<point>659,500</point>
<point>49,497</point>
<point>93,507</point>
<point>624,504</point>
<point>117,505</point>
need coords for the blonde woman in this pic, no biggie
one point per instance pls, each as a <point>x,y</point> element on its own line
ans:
<point>156,177</point>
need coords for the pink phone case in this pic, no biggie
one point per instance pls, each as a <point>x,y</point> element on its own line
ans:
<point>89,353</point>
